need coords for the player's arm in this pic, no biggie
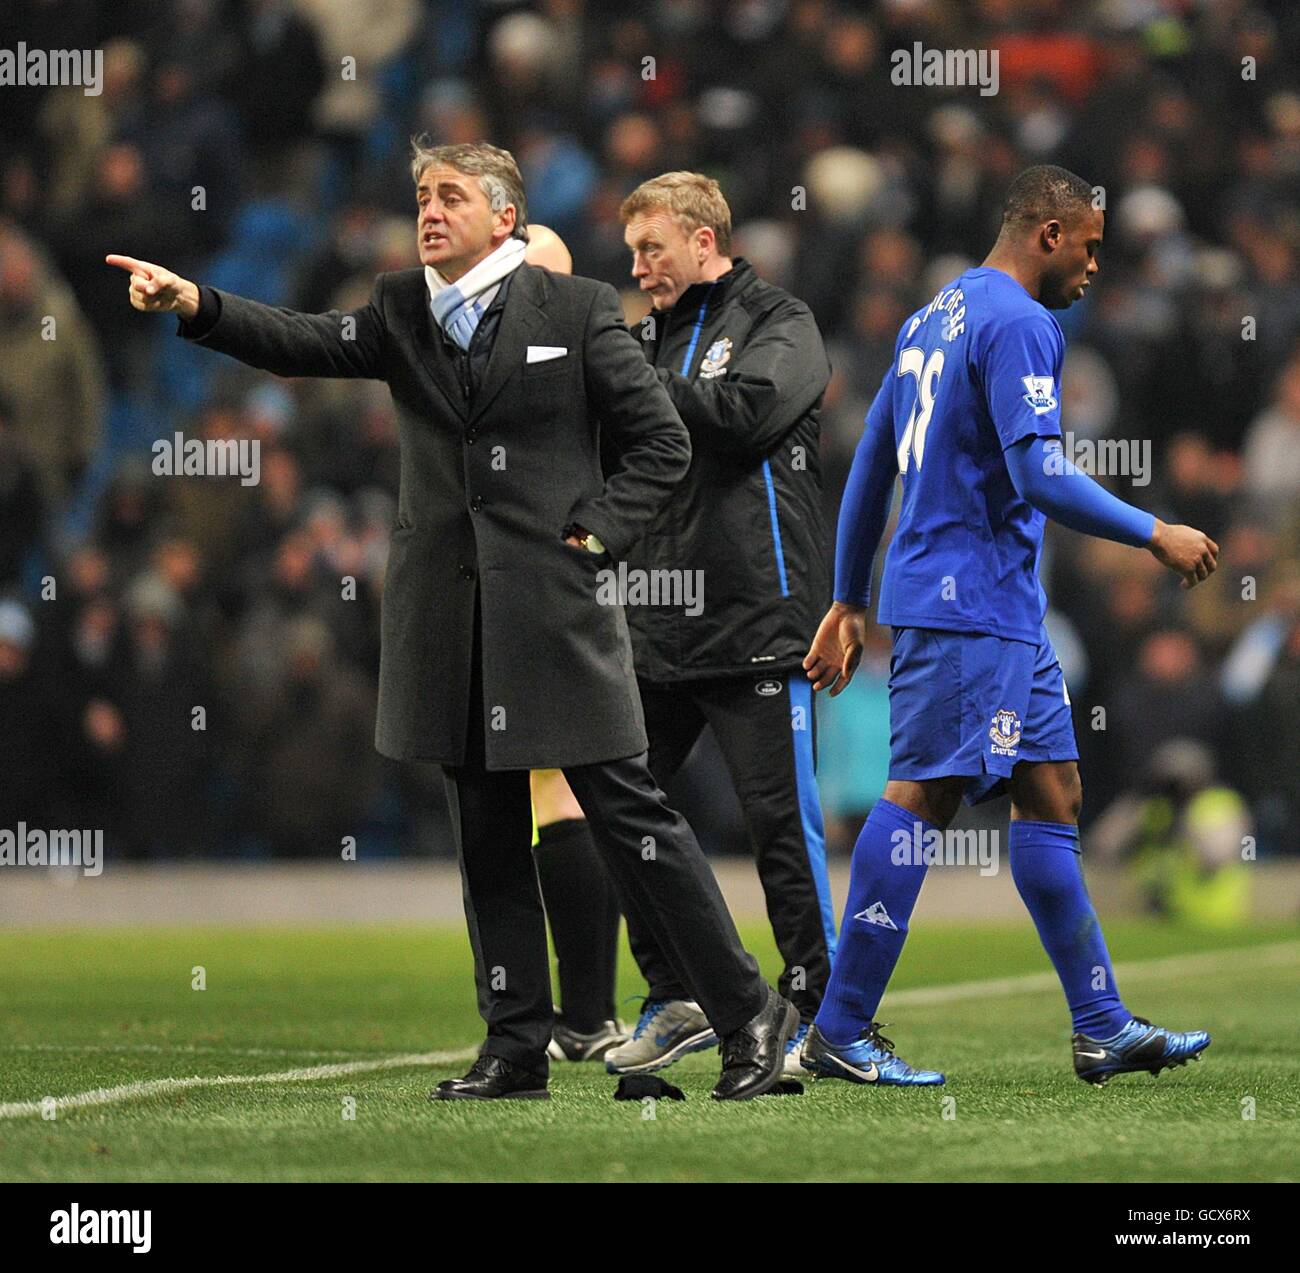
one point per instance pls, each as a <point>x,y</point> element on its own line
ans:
<point>764,392</point>
<point>1045,478</point>
<point>864,511</point>
<point>273,339</point>
<point>1023,401</point>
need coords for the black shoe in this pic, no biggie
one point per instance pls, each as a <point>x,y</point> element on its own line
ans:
<point>492,1079</point>
<point>753,1057</point>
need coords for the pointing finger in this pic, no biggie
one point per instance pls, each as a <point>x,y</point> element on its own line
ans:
<point>130,263</point>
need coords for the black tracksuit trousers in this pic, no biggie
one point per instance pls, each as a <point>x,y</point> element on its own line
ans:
<point>765,730</point>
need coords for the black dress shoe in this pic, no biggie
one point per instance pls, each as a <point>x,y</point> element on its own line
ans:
<point>492,1079</point>
<point>753,1057</point>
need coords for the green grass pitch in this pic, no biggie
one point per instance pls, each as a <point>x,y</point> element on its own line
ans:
<point>86,1010</point>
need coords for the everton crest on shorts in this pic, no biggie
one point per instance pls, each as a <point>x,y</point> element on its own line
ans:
<point>965,704</point>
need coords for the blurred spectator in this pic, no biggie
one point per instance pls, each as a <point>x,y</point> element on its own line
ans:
<point>1271,452</point>
<point>22,504</point>
<point>1262,678</point>
<point>207,509</point>
<point>346,254</point>
<point>306,750</point>
<point>1194,490</point>
<point>51,369</point>
<point>191,146</point>
<point>167,714</point>
<point>274,107</point>
<point>91,673</point>
<point>77,129</point>
<point>359,43</point>
<point>133,503</point>
<point>1183,837</point>
<point>29,757</point>
<point>1166,696</point>
<point>115,209</point>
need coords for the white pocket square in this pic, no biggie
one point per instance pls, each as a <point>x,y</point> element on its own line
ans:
<point>544,353</point>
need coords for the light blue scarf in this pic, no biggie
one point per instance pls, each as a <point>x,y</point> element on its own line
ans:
<point>456,306</point>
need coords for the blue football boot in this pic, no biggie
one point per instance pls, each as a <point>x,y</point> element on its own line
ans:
<point>870,1059</point>
<point>1138,1046</point>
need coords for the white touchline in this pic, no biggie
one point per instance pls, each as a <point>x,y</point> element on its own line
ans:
<point>176,1049</point>
<point>156,1087</point>
<point>1225,961</point>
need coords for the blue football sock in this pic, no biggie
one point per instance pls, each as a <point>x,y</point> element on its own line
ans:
<point>886,877</point>
<point>1046,866</point>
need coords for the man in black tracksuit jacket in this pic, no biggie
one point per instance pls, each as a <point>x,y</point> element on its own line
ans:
<point>744,365</point>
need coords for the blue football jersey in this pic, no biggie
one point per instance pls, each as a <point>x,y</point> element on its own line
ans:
<point>975,371</point>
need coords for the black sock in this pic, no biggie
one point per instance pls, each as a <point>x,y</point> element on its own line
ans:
<point>583,912</point>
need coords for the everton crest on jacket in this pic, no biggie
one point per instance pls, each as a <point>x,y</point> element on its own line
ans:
<point>743,532</point>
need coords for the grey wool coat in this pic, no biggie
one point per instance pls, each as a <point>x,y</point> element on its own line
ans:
<point>486,490</point>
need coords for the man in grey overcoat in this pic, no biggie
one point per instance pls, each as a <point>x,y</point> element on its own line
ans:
<point>500,650</point>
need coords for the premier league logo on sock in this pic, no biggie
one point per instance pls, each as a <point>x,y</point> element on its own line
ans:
<point>1005,733</point>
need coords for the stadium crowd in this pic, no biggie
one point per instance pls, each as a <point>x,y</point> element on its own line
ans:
<point>200,675</point>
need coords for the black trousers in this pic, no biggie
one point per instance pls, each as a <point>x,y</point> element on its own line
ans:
<point>765,730</point>
<point>649,851</point>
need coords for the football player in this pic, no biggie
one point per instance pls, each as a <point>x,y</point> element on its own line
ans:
<point>969,416</point>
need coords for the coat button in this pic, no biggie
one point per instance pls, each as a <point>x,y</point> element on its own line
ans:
<point>466,573</point>
<point>476,503</point>
<point>470,437</point>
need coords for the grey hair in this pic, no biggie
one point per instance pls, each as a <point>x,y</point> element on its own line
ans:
<point>498,174</point>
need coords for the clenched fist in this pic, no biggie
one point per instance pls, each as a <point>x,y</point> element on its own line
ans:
<point>156,290</point>
<point>1186,551</point>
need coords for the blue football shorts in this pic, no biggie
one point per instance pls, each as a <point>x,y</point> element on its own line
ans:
<point>968,705</point>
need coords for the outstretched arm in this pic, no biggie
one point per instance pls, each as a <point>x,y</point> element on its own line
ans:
<point>1045,478</point>
<point>156,290</point>
<point>273,339</point>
